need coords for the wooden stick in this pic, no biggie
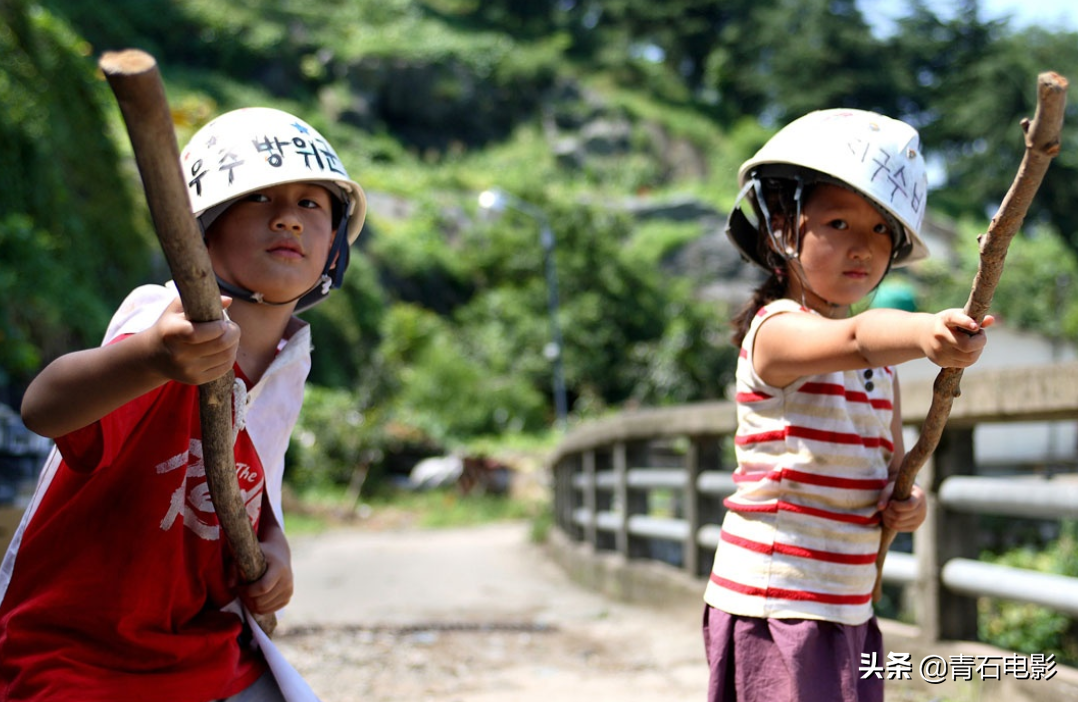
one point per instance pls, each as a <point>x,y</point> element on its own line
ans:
<point>1042,137</point>
<point>136,82</point>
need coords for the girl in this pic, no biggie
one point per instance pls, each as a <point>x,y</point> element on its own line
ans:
<point>837,198</point>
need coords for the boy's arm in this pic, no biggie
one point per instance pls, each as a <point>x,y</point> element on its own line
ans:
<point>274,589</point>
<point>793,345</point>
<point>80,388</point>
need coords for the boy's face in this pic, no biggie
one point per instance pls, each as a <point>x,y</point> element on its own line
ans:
<point>845,245</point>
<point>274,241</point>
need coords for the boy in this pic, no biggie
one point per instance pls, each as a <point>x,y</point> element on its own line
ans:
<point>117,585</point>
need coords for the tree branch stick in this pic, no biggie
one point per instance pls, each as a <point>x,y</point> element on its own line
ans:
<point>1042,138</point>
<point>136,82</point>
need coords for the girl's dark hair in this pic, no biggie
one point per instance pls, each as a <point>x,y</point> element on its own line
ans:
<point>774,288</point>
<point>779,196</point>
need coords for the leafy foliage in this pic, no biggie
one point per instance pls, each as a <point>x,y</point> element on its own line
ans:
<point>73,240</point>
<point>968,84</point>
<point>446,390</point>
<point>440,330</point>
<point>1028,628</point>
<point>1035,292</point>
<point>346,330</point>
<point>332,439</point>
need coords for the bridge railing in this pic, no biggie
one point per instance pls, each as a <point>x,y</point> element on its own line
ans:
<point>649,484</point>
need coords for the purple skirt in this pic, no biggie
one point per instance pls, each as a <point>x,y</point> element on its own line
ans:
<point>789,660</point>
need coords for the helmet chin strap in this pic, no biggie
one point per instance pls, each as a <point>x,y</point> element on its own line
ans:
<point>324,282</point>
<point>795,261</point>
<point>791,252</point>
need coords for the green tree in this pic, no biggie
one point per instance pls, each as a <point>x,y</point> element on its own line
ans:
<point>73,239</point>
<point>816,54</point>
<point>1036,290</point>
<point>446,388</point>
<point>683,32</point>
<point>1004,88</point>
<point>346,331</point>
<point>433,294</point>
<point>968,83</point>
<point>629,332</point>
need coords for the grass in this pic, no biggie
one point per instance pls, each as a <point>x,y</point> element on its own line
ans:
<point>318,511</point>
<point>442,509</point>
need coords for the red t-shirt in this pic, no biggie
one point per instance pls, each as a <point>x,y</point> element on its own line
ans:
<point>121,574</point>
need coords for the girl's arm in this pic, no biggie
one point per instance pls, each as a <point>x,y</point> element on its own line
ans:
<point>909,514</point>
<point>793,345</point>
<point>80,388</point>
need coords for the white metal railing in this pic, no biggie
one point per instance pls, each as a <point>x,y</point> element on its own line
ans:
<point>615,489</point>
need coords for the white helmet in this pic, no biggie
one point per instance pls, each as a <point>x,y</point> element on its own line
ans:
<point>252,148</point>
<point>876,156</point>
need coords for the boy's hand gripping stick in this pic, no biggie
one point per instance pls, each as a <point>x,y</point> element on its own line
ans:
<point>1042,136</point>
<point>136,82</point>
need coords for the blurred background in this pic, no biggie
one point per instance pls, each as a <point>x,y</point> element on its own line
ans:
<point>593,277</point>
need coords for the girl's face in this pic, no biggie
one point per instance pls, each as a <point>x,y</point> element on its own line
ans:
<point>274,241</point>
<point>845,250</point>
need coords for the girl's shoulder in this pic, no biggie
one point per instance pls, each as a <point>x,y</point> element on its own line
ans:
<point>781,306</point>
<point>784,304</point>
<point>746,362</point>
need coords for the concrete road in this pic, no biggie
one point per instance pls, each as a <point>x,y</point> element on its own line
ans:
<point>475,615</point>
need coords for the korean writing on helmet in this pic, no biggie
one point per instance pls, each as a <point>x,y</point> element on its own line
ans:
<point>316,153</point>
<point>891,170</point>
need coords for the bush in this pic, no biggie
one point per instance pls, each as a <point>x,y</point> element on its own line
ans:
<point>448,393</point>
<point>1029,628</point>
<point>70,231</point>
<point>332,439</point>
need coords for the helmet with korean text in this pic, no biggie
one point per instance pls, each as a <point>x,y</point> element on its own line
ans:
<point>252,148</point>
<point>876,156</point>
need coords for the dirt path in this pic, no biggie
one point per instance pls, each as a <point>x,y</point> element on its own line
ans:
<point>475,615</point>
